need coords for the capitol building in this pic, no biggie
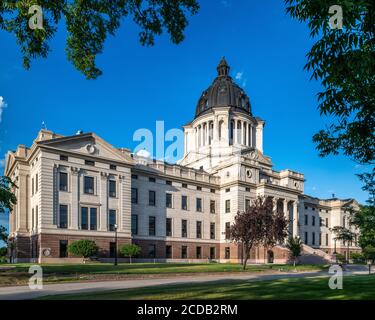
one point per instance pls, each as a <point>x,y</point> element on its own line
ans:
<point>81,187</point>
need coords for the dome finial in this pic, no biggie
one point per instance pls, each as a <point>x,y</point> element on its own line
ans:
<point>223,67</point>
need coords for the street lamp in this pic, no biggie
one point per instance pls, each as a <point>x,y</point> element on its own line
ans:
<point>115,227</point>
<point>369,266</point>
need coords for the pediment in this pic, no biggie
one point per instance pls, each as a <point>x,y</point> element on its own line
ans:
<point>255,155</point>
<point>88,145</point>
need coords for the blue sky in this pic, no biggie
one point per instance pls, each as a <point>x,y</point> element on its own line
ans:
<point>142,85</point>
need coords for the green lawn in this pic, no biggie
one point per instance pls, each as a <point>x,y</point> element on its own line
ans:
<point>102,271</point>
<point>354,288</point>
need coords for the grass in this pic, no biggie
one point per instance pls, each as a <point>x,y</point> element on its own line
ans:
<point>354,288</point>
<point>103,271</point>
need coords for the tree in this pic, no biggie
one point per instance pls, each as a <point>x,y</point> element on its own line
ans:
<point>294,244</point>
<point>369,253</point>
<point>3,234</point>
<point>89,23</point>
<point>7,197</point>
<point>345,235</point>
<point>130,250</point>
<point>83,248</point>
<point>344,60</point>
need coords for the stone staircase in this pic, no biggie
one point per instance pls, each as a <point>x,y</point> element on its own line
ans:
<point>314,256</point>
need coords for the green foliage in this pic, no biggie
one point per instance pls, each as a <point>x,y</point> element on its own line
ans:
<point>83,248</point>
<point>364,220</point>
<point>369,253</point>
<point>89,23</point>
<point>342,234</point>
<point>7,197</point>
<point>3,234</point>
<point>3,251</point>
<point>340,257</point>
<point>358,257</point>
<point>294,244</point>
<point>130,250</point>
<point>344,61</point>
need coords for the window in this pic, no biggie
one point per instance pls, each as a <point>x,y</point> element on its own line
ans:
<point>168,227</point>
<point>320,239</point>
<point>112,188</point>
<point>327,225</point>
<point>306,238</point>
<point>227,190</point>
<point>36,183</point>
<point>227,253</point>
<point>89,163</point>
<point>212,253</point>
<point>184,228</point>
<point>212,230</point>
<point>151,179</point>
<point>63,158</point>
<point>247,204</point>
<point>306,219</point>
<point>169,183</point>
<point>227,206</point>
<point>199,188</point>
<point>134,195</point>
<point>184,185</point>
<point>152,251</point>
<point>111,220</point>
<point>199,229</point>
<point>327,239</point>
<point>168,200</point>
<point>313,239</point>
<point>84,218</point>
<point>212,191</point>
<point>168,252</point>
<point>184,252</point>
<point>134,224</point>
<point>227,230</point>
<point>313,209</point>
<point>89,185</point>
<point>36,217</point>
<point>63,216</point>
<point>151,226</point>
<point>93,218</point>
<point>184,203</point>
<point>32,219</point>
<point>247,189</point>
<point>63,250</point>
<point>321,221</point>
<point>212,206</point>
<point>199,205</point>
<point>199,252</point>
<point>112,167</point>
<point>112,249</point>
<point>313,220</point>
<point>151,198</point>
<point>134,176</point>
<point>63,181</point>
<point>32,186</point>
<point>343,221</point>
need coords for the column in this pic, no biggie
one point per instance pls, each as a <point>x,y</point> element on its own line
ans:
<point>247,134</point>
<point>207,133</point>
<point>235,136</point>
<point>103,210</point>
<point>295,219</point>
<point>75,188</point>
<point>216,129</point>
<point>251,134</point>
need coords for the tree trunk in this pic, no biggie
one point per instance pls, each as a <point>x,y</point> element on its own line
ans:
<point>294,262</point>
<point>247,249</point>
<point>348,252</point>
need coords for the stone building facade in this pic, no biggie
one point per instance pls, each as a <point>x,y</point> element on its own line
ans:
<point>80,187</point>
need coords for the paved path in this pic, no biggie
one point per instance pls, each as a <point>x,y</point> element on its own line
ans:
<point>24,292</point>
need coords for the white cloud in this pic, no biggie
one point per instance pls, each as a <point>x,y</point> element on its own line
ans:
<point>2,106</point>
<point>239,75</point>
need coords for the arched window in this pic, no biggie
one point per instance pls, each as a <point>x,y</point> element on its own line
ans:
<point>221,128</point>
<point>210,132</point>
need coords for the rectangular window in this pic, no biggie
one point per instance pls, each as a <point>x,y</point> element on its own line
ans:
<point>112,167</point>
<point>313,220</point>
<point>112,188</point>
<point>313,239</point>
<point>320,239</point>
<point>32,219</point>
<point>152,179</point>
<point>63,250</point>
<point>212,253</point>
<point>169,183</point>
<point>184,205</point>
<point>168,226</point>
<point>306,219</point>
<point>212,206</point>
<point>168,200</point>
<point>36,183</point>
<point>63,158</point>
<point>199,205</point>
<point>32,186</point>
<point>327,239</point>
<point>152,251</point>
<point>199,229</point>
<point>89,185</point>
<point>184,252</point>
<point>84,218</point>
<point>151,198</point>
<point>36,216</point>
<point>168,252</point>
<point>134,224</point>
<point>306,238</point>
<point>184,185</point>
<point>89,163</point>
<point>327,225</point>
<point>63,181</point>
<point>93,218</point>
<point>343,221</point>
<point>134,195</point>
<point>212,190</point>
<point>212,230</point>
<point>247,204</point>
<point>112,249</point>
<point>184,228</point>
<point>151,226</point>
<point>199,188</point>
<point>227,230</point>
<point>134,176</point>
<point>111,220</point>
<point>63,216</point>
<point>321,221</point>
<point>227,206</point>
<point>199,252</point>
<point>227,253</point>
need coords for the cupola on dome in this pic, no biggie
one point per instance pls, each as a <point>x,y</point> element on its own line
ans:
<point>223,92</point>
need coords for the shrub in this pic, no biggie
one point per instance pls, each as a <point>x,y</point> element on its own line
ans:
<point>83,248</point>
<point>130,250</point>
<point>358,257</point>
<point>340,257</point>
